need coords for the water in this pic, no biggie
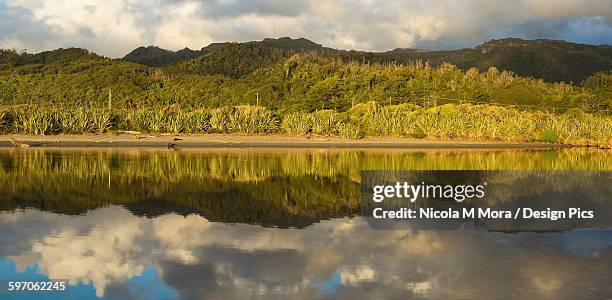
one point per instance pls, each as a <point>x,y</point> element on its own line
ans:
<point>272,224</point>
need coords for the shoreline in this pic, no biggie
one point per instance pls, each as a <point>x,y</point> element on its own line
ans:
<point>250,141</point>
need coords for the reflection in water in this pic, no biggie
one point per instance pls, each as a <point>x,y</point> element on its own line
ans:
<point>282,189</point>
<point>337,258</point>
<point>151,225</point>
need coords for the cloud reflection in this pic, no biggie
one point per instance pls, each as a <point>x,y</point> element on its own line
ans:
<point>340,258</point>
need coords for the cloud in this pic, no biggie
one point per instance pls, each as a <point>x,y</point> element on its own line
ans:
<point>109,247</point>
<point>114,27</point>
<point>19,28</point>
<point>235,8</point>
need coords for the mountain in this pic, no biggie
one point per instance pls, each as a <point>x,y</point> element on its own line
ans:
<point>299,75</point>
<point>551,60</point>
<point>155,56</point>
<point>292,44</point>
<point>239,59</point>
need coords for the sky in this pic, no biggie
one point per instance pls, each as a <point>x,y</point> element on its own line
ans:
<point>174,256</point>
<point>115,27</point>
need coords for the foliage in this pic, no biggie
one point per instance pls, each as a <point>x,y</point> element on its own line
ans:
<point>276,86</point>
<point>447,122</point>
<point>284,80</point>
<point>458,122</point>
<point>11,58</point>
<point>599,97</point>
<point>551,60</point>
<point>350,131</point>
<point>243,119</point>
<point>264,189</point>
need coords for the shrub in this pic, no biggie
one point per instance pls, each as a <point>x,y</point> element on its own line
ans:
<point>297,123</point>
<point>460,122</point>
<point>252,119</point>
<point>547,136</point>
<point>219,120</point>
<point>325,122</point>
<point>350,131</point>
<point>37,122</point>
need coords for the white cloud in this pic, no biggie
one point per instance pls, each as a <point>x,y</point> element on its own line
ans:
<point>357,274</point>
<point>114,27</point>
<point>110,246</point>
<point>202,259</point>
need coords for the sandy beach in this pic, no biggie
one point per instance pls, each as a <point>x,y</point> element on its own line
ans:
<point>240,141</point>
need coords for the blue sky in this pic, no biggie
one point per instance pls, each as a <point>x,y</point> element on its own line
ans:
<point>114,27</point>
<point>112,254</point>
<point>147,285</point>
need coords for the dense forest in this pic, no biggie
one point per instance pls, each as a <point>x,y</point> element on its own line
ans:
<point>280,78</point>
<point>551,60</point>
<point>298,80</point>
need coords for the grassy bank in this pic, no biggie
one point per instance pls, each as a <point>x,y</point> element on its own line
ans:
<point>449,122</point>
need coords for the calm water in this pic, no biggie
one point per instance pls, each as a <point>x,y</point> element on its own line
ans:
<point>276,224</point>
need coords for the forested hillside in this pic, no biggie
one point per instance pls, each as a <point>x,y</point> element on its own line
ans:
<point>11,58</point>
<point>278,78</point>
<point>155,56</point>
<point>551,60</point>
<point>289,87</point>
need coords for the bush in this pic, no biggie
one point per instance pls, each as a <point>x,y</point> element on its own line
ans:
<point>297,123</point>
<point>350,131</point>
<point>325,122</point>
<point>252,119</point>
<point>454,122</point>
<point>547,136</point>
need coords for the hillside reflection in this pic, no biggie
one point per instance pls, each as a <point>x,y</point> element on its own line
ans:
<point>207,225</point>
<point>282,188</point>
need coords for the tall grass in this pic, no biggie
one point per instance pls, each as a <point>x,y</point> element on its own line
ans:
<point>252,119</point>
<point>323,122</point>
<point>3,120</point>
<point>450,122</point>
<point>40,122</point>
<point>243,119</point>
<point>457,122</point>
<point>239,119</point>
<point>297,123</point>
<point>82,121</point>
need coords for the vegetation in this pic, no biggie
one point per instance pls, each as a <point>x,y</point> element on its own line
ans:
<point>288,187</point>
<point>296,87</point>
<point>10,58</point>
<point>281,80</point>
<point>551,60</point>
<point>449,121</point>
<point>155,56</point>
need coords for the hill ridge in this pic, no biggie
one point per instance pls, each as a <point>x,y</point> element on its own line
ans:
<point>551,60</point>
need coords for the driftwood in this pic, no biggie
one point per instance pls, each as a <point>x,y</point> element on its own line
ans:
<point>18,144</point>
<point>129,132</point>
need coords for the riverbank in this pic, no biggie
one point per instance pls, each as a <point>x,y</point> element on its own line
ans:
<point>367,120</point>
<point>246,141</point>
